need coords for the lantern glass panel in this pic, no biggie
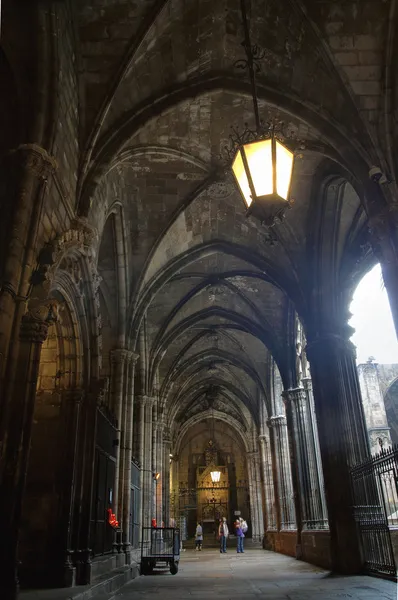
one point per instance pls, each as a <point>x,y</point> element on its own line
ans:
<point>259,159</point>
<point>240,174</point>
<point>284,168</point>
<point>215,476</point>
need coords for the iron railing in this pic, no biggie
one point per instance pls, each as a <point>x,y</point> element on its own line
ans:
<point>375,488</point>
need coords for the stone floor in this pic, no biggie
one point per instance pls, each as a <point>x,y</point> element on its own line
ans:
<point>256,574</point>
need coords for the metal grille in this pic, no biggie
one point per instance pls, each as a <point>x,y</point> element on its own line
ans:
<point>160,542</point>
<point>375,487</point>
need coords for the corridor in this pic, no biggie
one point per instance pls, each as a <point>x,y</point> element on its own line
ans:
<point>257,574</point>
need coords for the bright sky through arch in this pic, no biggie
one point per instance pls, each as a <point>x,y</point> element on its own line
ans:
<point>372,320</point>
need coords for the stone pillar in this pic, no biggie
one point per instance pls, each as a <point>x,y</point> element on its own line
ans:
<point>320,513</point>
<point>253,504</point>
<point>119,358</point>
<point>383,227</point>
<point>295,435</point>
<point>175,484</point>
<point>285,487</point>
<point>70,415</point>
<point>343,440</point>
<point>159,469</point>
<point>258,530</point>
<point>147,484</point>
<point>33,332</point>
<point>127,450</point>
<point>28,168</point>
<point>166,477</point>
<point>268,479</point>
<point>374,407</point>
<point>85,478</point>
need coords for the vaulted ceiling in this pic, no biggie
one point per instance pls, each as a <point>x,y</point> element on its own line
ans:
<point>215,293</point>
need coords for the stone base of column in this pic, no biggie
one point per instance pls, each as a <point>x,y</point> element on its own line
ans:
<point>52,574</point>
<point>84,568</point>
<point>127,552</point>
<point>299,552</point>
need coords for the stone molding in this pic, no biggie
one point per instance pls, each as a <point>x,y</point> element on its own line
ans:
<point>33,330</point>
<point>133,357</point>
<point>307,383</point>
<point>277,421</point>
<point>340,342</point>
<point>119,355</point>
<point>35,159</point>
<point>146,400</point>
<point>380,224</point>
<point>294,395</point>
<point>263,439</point>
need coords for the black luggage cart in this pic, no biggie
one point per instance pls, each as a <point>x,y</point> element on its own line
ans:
<point>160,547</point>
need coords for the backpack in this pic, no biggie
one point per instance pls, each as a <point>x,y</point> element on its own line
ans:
<point>244,526</point>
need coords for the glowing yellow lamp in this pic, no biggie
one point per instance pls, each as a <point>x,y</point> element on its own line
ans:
<point>263,172</point>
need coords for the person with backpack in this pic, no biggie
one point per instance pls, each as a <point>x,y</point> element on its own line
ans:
<point>240,534</point>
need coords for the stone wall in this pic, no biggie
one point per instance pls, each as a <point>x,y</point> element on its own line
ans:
<point>315,548</point>
<point>373,403</point>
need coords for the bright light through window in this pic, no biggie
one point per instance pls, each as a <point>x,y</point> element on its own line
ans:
<point>374,327</point>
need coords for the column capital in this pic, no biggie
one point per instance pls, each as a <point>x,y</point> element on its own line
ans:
<point>277,421</point>
<point>263,438</point>
<point>324,340</point>
<point>146,400</point>
<point>307,383</point>
<point>380,223</point>
<point>132,357</point>
<point>74,395</point>
<point>35,323</point>
<point>294,395</point>
<point>35,159</point>
<point>119,355</point>
<point>252,454</point>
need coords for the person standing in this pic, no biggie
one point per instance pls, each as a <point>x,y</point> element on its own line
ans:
<point>223,533</point>
<point>198,537</point>
<point>239,537</point>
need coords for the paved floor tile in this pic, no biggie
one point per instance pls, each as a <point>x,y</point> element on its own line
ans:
<point>256,575</point>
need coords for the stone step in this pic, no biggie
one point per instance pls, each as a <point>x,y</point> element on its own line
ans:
<point>104,587</point>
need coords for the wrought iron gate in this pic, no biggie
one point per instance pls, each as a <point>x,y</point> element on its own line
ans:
<point>375,487</point>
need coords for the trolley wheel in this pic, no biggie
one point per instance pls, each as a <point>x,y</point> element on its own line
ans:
<point>174,568</point>
<point>147,568</point>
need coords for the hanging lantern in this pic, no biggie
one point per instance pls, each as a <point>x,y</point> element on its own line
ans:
<point>263,172</point>
<point>261,164</point>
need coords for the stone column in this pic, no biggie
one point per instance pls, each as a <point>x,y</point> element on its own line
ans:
<point>118,360</point>
<point>343,440</point>
<point>146,451</point>
<point>85,478</point>
<point>383,227</point>
<point>268,479</point>
<point>285,487</point>
<point>159,469</point>
<point>303,448</point>
<point>294,427</point>
<point>69,418</point>
<point>127,450</point>
<point>28,168</point>
<point>320,513</point>
<point>33,332</point>
<point>166,477</point>
<point>258,529</point>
